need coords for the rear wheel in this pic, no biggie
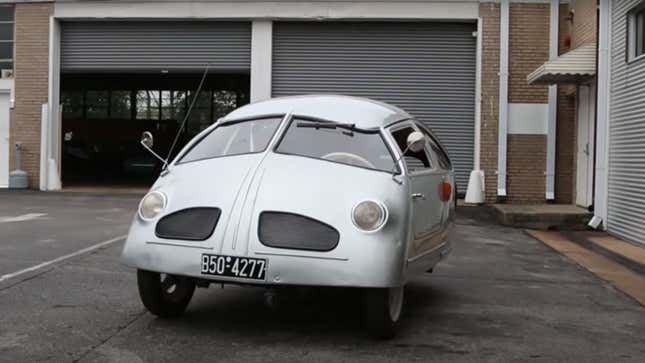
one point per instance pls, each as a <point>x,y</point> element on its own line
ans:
<point>165,295</point>
<point>383,309</point>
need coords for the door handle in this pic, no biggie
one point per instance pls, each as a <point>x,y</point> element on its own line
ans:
<point>418,196</point>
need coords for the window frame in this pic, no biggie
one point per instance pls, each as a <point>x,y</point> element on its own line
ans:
<point>86,104</point>
<point>110,105</point>
<point>10,41</point>
<point>632,33</point>
<point>412,124</point>
<point>433,139</point>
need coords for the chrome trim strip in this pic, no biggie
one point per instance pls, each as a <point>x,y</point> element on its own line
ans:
<point>265,253</point>
<point>178,245</point>
<point>424,254</point>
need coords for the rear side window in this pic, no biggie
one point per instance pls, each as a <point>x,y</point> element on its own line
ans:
<point>442,158</point>
<point>414,161</point>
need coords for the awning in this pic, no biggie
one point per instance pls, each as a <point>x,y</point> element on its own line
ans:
<point>572,67</point>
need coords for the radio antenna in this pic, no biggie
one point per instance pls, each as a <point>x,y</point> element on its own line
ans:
<point>190,108</point>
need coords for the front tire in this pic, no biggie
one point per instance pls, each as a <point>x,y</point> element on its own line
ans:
<point>164,295</point>
<point>383,309</point>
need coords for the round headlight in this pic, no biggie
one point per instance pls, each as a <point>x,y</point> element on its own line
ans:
<point>369,215</point>
<point>151,205</point>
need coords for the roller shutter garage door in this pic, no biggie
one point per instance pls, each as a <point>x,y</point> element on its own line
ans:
<point>142,47</point>
<point>426,68</point>
<point>626,184</point>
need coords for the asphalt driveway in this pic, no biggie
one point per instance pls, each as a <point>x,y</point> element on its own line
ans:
<point>500,296</point>
<point>37,227</point>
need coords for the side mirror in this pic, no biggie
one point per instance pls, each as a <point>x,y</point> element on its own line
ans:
<point>416,141</point>
<point>147,139</point>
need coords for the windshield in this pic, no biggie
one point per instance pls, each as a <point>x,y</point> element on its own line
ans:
<point>234,138</point>
<point>341,143</point>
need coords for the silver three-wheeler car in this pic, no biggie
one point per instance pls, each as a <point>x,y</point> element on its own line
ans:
<point>298,191</point>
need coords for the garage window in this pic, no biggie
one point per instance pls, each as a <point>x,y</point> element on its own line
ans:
<point>200,116</point>
<point>636,32</point>
<point>96,104</point>
<point>223,103</point>
<point>6,36</point>
<point>121,105</point>
<point>72,102</point>
<point>148,105</point>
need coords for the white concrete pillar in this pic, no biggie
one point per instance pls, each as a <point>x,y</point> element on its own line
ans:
<point>475,193</point>
<point>553,105</point>
<point>602,116</point>
<point>503,98</point>
<point>261,54</point>
<point>51,180</point>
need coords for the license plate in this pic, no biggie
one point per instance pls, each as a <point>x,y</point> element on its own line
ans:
<point>234,266</point>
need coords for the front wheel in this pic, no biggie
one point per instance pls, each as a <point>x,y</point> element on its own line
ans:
<point>164,295</point>
<point>382,311</point>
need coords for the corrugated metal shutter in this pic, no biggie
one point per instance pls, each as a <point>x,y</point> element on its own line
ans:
<point>428,69</point>
<point>136,46</point>
<point>626,194</point>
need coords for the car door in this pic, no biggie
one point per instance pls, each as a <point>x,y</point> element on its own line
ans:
<point>426,212</point>
<point>444,168</point>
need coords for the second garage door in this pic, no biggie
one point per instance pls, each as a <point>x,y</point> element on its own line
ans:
<point>427,68</point>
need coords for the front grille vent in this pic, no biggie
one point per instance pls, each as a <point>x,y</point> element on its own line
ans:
<point>193,224</point>
<point>294,231</point>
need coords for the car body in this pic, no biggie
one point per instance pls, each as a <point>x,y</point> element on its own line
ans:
<point>284,181</point>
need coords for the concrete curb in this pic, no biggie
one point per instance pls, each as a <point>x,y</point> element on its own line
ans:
<point>583,241</point>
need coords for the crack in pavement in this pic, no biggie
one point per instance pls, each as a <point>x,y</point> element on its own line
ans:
<point>109,337</point>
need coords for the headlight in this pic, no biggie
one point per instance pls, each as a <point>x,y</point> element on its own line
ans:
<point>369,216</point>
<point>151,205</point>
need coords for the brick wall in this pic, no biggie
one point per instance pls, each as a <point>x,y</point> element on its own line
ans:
<point>565,168</point>
<point>526,162</point>
<point>583,27</point>
<point>565,159</point>
<point>529,49</point>
<point>31,73</point>
<point>489,12</point>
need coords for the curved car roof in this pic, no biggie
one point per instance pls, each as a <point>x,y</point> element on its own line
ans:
<point>363,112</point>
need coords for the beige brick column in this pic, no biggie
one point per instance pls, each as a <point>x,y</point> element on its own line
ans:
<point>529,48</point>
<point>490,13</point>
<point>31,72</point>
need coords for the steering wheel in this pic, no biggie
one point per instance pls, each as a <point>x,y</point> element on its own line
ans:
<point>348,158</point>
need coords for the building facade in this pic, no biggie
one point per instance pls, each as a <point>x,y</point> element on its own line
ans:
<point>118,67</point>
<point>626,121</point>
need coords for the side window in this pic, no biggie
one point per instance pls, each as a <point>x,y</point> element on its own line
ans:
<point>442,158</point>
<point>636,32</point>
<point>414,161</point>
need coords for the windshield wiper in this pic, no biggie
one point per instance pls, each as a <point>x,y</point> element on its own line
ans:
<point>326,125</point>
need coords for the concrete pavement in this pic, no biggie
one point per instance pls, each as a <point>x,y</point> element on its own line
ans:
<point>501,296</point>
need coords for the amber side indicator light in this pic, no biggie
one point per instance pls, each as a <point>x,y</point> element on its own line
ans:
<point>445,191</point>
